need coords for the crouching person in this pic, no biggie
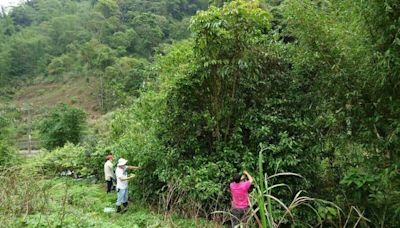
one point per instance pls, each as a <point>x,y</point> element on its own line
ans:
<point>122,183</point>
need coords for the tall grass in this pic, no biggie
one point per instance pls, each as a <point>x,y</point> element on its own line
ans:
<point>21,193</point>
<point>264,200</point>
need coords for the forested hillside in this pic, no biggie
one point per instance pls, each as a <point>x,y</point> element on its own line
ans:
<point>197,91</point>
<point>113,40</point>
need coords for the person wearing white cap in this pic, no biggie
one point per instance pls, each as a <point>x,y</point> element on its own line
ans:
<point>122,183</point>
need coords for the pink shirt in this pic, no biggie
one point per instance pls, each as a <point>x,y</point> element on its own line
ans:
<point>240,195</point>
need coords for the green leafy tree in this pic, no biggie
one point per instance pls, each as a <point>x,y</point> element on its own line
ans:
<point>60,64</point>
<point>64,31</point>
<point>108,8</point>
<point>28,53</point>
<point>23,15</point>
<point>149,28</point>
<point>124,42</point>
<point>63,124</point>
<point>353,97</point>
<point>5,62</point>
<point>124,79</point>
<point>97,55</point>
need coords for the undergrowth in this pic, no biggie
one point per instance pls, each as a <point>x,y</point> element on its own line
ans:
<point>30,200</point>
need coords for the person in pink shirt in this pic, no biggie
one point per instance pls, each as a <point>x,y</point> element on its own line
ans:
<point>239,189</point>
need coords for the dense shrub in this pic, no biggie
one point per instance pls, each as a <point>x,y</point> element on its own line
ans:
<point>321,100</point>
<point>214,105</point>
<point>80,160</point>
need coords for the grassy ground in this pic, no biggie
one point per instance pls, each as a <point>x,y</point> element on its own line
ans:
<point>79,203</point>
<point>30,199</point>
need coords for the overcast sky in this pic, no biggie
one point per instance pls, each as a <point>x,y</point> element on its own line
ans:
<point>8,3</point>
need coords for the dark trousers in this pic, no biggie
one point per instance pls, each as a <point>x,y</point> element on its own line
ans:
<point>109,185</point>
<point>238,214</point>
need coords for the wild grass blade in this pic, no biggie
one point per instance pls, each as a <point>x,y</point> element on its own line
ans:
<point>279,185</point>
<point>280,203</point>
<point>285,174</point>
<point>261,189</point>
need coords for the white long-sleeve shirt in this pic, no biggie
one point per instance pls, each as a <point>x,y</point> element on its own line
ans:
<point>108,170</point>
<point>121,173</point>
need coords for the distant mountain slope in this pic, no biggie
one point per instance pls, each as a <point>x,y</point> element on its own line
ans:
<point>77,91</point>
